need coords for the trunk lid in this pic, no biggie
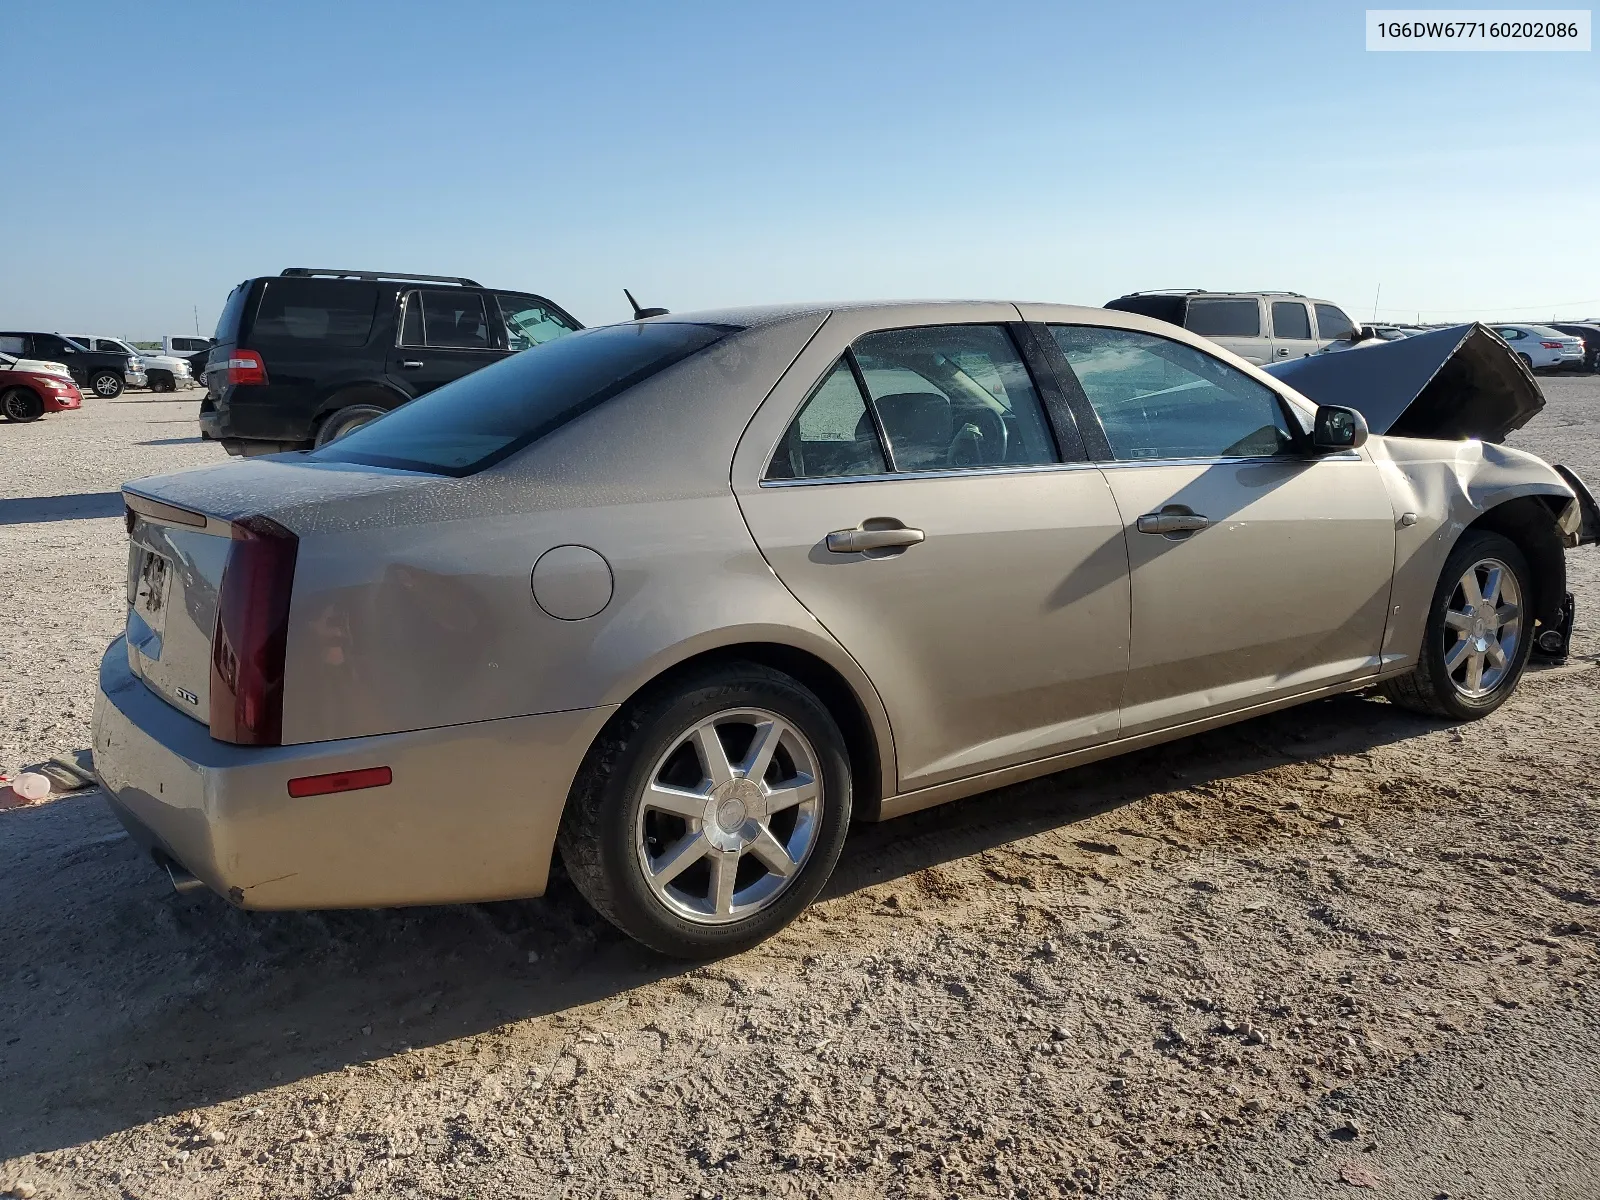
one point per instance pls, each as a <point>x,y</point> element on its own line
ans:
<point>181,533</point>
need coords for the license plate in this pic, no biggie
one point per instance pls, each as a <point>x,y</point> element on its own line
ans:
<point>150,596</point>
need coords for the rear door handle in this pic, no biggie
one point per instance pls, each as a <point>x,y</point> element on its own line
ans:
<point>859,541</point>
<point>412,363</point>
<point>1170,521</point>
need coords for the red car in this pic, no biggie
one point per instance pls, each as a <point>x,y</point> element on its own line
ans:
<point>26,395</point>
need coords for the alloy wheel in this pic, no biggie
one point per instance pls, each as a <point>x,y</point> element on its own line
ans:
<point>1482,628</point>
<point>107,386</point>
<point>729,816</point>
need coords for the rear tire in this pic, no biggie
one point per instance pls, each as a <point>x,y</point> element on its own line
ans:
<point>106,384</point>
<point>21,405</point>
<point>1527,361</point>
<point>345,420</point>
<point>698,884</point>
<point>1442,683</point>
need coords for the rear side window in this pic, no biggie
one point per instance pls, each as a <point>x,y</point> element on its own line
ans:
<point>1223,318</point>
<point>14,344</point>
<point>833,435</point>
<point>486,416</point>
<point>447,320</point>
<point>1332,323</point>
<point>1289,320</point>
<point>332,312</point>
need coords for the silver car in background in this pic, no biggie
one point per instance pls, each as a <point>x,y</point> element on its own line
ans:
<point>685,596</point>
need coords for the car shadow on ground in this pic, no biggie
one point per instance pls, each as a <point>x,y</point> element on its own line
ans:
<point>121,1003</point>
<point>79,506</point>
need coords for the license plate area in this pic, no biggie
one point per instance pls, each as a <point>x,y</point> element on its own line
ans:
<point>147,616</point>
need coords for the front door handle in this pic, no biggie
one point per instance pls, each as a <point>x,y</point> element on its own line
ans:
<point>411,364</point>
<point>866,539</point>
<point>1172,520</point>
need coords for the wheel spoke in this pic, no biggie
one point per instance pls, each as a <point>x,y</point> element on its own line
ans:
<point>1506,614</point>
<point>713,758</point>
<point>681,855</point>
<point>762,748</point>
<point>1491,587</point>
<point>794,791</point>
<point>1470,589</point>
<point>1496,653</point>
<point>724,869</point>
<point>680,802</point>
<point>1457,620</point>
<point>1454,655</point>
<point>1474,679</point>
<point>770,851</point>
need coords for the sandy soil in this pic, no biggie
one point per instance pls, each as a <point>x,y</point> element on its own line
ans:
<point>1270,960</point>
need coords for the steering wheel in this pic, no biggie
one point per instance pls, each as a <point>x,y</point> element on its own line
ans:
<point>982,440</point>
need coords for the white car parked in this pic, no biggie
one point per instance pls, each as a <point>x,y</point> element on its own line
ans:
<point>164,372</point>
<point>1260,327</point>
<point>1541,347</point>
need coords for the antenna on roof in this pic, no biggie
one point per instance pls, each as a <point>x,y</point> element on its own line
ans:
<point>640,314</point>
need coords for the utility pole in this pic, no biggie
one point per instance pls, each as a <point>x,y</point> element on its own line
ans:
<point>197,320</point>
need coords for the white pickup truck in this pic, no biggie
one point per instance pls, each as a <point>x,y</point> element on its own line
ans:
<point>165,372</point>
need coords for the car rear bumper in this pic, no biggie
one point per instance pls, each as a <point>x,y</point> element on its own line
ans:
<point>470,815</point>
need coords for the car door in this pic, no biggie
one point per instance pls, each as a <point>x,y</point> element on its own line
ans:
<point>1332,324</point>
<point>444,333</point>
<point>1258,570</point>
<point>917,505</point>
<point>1233,322</point>
<point>1291,330</point>
<point>53,348</point>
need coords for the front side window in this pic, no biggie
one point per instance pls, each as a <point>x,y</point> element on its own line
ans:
<point>484,417</point>
<point>1161,399</point>
<point>1223,318</point>
<point>192,345</point>
<point>1332,324</point>
<point>952,397</point>
<point>1290,320</point>
<point>528,322</point>
<point>445,320</point>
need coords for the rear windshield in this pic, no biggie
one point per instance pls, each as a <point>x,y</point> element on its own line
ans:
<point>482,418</point>
<point>232,310</point>
<point>336,312</point>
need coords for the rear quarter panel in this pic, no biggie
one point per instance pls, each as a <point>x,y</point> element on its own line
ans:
<point>414,608</point>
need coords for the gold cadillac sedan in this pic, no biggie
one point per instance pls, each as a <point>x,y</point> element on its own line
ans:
<point>684,596</point>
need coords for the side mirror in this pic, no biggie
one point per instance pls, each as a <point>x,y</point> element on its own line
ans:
<point>1337,428</point>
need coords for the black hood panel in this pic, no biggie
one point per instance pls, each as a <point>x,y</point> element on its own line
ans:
<point>1453,384</point>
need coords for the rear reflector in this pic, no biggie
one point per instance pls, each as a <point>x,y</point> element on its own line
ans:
<point>252,634</point>
<point>245,366</point>
<point>340,781</point>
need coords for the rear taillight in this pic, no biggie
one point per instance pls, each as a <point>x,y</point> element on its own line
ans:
<point>245,366</point>
<point>1551,345</point>
<point>252,634</point>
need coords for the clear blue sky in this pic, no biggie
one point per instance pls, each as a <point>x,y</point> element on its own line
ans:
<point>708,153</point>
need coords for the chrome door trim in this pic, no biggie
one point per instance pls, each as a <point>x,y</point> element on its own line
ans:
<point>1030,468</point>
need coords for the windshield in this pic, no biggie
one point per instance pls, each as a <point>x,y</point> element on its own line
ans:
<point>482,418</point>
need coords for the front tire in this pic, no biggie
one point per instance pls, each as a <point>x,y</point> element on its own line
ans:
<point>708,816</point>
<point>21,405</point>
<point>106,384</point>
<point>1479,633</point>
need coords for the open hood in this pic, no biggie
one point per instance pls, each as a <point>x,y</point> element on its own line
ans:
<point>1453,384</point>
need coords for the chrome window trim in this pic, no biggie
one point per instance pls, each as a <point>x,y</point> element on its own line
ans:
<point>1036,468</point>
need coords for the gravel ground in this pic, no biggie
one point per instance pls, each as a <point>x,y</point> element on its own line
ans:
<point>1335,949</point>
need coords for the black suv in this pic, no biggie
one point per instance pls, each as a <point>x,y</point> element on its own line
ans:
<point>304,357</point>
<point>103,372</point>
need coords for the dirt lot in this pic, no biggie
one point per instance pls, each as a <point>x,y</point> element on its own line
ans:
<point>1336,949</point>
